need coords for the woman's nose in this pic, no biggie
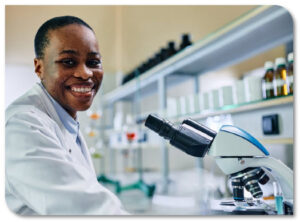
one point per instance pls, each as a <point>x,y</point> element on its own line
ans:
<point>83,72</point>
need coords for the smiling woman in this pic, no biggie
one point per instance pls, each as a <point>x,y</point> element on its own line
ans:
<point>52,172</point>
<point>70,68</point>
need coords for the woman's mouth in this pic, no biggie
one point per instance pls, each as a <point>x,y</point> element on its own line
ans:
<point>82,91</point>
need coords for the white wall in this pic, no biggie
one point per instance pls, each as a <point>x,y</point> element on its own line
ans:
<point>18,79</point>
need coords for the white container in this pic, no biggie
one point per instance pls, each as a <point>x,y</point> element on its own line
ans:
<point>193,103</point>
<point>178,107</point>
<point>205,98</point>
<point>171,107</point>
<point>215,98</point>
<point>226,96</point>
<point>181,106</point>
<point>253,88</point>
<point>239,95</point>
<point>200,102</point>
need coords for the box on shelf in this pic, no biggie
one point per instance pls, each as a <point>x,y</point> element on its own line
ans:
<point>205,98</point>
<point>226,96</point>
<point>193,103</point>
<point>172,107</point>
<point>239,95</point>
<point>215,99</point>
<point>253,88</point>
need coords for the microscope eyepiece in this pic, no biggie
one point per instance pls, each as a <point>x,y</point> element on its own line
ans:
<point>191,136</point>
<point>162,127</point>
<point>154,123</point>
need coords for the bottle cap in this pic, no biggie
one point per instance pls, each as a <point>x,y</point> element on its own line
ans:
<point>269,65</point>
<point>280,61</point>
<point>290,57</point>
<point>171,44</point>
<point>185,40</point>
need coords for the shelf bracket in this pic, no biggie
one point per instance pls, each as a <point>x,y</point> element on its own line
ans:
<point>162,94</point>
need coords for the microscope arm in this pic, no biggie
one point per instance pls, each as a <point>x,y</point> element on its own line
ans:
<point>235,150</point>
<point>281,173</point>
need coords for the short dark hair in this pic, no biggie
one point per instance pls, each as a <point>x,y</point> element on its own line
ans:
<point>41,39</point>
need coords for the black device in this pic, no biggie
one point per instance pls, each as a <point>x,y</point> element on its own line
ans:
<point>270,124</point>
<point>191,136</point>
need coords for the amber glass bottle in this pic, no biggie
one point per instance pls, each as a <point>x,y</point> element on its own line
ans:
<point>281,77</point>
<point>267,81</point>
<point>290,73</point>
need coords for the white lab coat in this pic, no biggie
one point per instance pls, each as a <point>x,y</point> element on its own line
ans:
<point>45,171</point>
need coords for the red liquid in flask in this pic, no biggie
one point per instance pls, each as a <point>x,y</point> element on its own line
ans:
<point>130,136</point>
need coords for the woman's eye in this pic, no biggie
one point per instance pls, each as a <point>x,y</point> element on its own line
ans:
<point>93,63</point>
<point>68,62</point>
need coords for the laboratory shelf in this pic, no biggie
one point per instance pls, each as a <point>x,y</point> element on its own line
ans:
<point>261,29</point>
<point>245,107</point>
<point>289,141</point>
<point>230,109</point>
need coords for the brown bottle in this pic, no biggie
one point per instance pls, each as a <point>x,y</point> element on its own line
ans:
<point>267,81</point>
<point>290,73</point>
<point>281,87</point>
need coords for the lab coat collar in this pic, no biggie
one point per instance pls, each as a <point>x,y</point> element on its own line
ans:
<point>71,124</point>
<point>49,107</point>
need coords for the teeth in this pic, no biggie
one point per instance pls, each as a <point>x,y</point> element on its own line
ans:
<point>82,89</point>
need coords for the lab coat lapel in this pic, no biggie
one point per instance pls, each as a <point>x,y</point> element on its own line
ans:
<point>69,144</point>
<point>86,152</point>
<point>75,152</point>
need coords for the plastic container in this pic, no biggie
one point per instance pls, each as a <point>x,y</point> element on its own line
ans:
<point>226,96</point>
<point>278,199</point>
<point>239,96</point>
<point>253,88</point>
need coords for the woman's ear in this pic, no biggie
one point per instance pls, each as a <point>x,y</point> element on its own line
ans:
<point>38,68</point>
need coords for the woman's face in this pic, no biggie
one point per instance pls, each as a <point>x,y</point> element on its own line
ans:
<point>71,69</point>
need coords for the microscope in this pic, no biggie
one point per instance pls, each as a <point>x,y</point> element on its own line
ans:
<point>238,154</point>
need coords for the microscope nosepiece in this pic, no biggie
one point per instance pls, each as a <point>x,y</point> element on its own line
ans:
<point>262,177</point>
<point>250,179</point>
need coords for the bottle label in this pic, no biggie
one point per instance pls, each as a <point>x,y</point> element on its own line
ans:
<point>268,85</point>
<point>290,79</point>
<point>279,82</point>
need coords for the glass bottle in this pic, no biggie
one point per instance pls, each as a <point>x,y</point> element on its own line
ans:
<point>267,81</point>
<point>290,73</point>
<point>281,77</point>
<point>185,41</point>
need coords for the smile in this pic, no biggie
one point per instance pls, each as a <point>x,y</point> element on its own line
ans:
<point>81,89</point>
